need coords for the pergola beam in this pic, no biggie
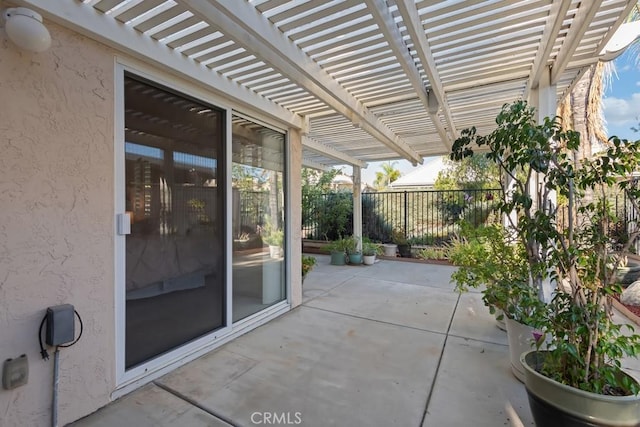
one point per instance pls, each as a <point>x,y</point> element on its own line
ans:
<point>255,33</point>
<point>383,17</point>
<point>332,153</point>
<point>578,28</point>
<point>556,16</point>
<point>88,21</point>
<point>603,44</point>
<point>411,18</point>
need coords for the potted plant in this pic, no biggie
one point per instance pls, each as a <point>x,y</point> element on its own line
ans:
<point>308,262</point>
<point>404,248</point>
<point>338,250</point>
<point>369,252</point>
<point>490,256</point>
<point>577,380</point>
<point>354,255</point>
<point>274,238</point>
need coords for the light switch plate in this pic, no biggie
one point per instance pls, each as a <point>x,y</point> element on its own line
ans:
<point>15,372</point>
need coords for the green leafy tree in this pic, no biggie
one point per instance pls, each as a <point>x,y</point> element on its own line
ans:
<point>315,184</point>
<point>388,174</point>
<point>475,172</point>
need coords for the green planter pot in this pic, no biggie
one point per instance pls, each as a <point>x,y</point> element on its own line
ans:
<point>355,259</point>
<point>338,258</point>
<point>559,405</point>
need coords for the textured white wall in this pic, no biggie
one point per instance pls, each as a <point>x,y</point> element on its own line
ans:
<point>56,220</point>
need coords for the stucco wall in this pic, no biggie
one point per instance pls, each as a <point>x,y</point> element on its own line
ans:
<point>56,220</point>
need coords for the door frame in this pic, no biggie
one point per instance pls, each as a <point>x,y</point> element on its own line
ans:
<point>134,375</point>
<point>128,380</point>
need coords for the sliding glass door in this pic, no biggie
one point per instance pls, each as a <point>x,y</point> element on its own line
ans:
<point>175,263</point>
<point>258,177</point>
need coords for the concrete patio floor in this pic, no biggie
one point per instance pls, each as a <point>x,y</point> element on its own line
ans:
<point>390,344</point>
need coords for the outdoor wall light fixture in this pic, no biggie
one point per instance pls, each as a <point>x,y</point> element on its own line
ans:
<point>24,28</point>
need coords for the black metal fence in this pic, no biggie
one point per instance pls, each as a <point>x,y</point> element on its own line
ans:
<point>423,217</point>
<point>625,219</point>
<point>431,217</point>
<point>250,208</point>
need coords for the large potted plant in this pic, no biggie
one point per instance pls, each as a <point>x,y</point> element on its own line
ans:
<point>577,380</point>
<point>491,257</point>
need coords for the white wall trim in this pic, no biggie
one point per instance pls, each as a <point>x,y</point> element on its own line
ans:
<point>119,205</point>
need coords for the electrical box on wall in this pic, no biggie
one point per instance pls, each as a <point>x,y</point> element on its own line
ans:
<point>15,372</point>
<point>60,325</point>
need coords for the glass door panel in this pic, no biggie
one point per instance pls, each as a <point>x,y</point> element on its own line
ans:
<point>258,176</point>
<point>175,284</point>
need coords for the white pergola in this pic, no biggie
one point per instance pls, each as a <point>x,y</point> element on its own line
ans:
<point>364,80</point>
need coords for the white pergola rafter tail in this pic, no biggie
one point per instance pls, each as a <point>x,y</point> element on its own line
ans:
<point>383,17</point>
<point>332,153</point>
<point>603,43</point>
<point>409,13</point>
<point>556,17</point>
<point>578,28</point>
<point>242,22</point>
<point>86,20</point>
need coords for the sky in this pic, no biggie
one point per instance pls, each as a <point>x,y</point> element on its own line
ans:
<point>621,110</point>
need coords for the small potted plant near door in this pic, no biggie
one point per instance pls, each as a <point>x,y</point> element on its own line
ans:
<point>308,262</point>
<point>577,380</point>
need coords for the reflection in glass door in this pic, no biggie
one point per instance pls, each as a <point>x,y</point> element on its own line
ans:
<point>258,176</point>
<point>175,284</point>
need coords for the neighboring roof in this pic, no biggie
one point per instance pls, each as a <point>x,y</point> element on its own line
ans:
<point>423,176</point>
<point>364,80</point>
<point>342,180</point>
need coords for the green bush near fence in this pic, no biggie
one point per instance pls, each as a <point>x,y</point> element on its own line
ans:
<point>424,217</point>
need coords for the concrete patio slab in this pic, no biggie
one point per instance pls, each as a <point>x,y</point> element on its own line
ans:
<point>404,304</point>
<point>473,320</point>
<point>362,350</point>
<point>475,387</point>
<point>415,273</point>
<point>325,368</point>
<point>151,406</point>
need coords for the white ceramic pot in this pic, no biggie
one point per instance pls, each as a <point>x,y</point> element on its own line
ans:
<point>389,249</point>
<point>520,338</point>
<point>275,251</point>
<point>368,259</point>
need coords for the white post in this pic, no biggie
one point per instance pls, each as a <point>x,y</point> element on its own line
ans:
<point>357,205</point>
<point>545,100</point>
